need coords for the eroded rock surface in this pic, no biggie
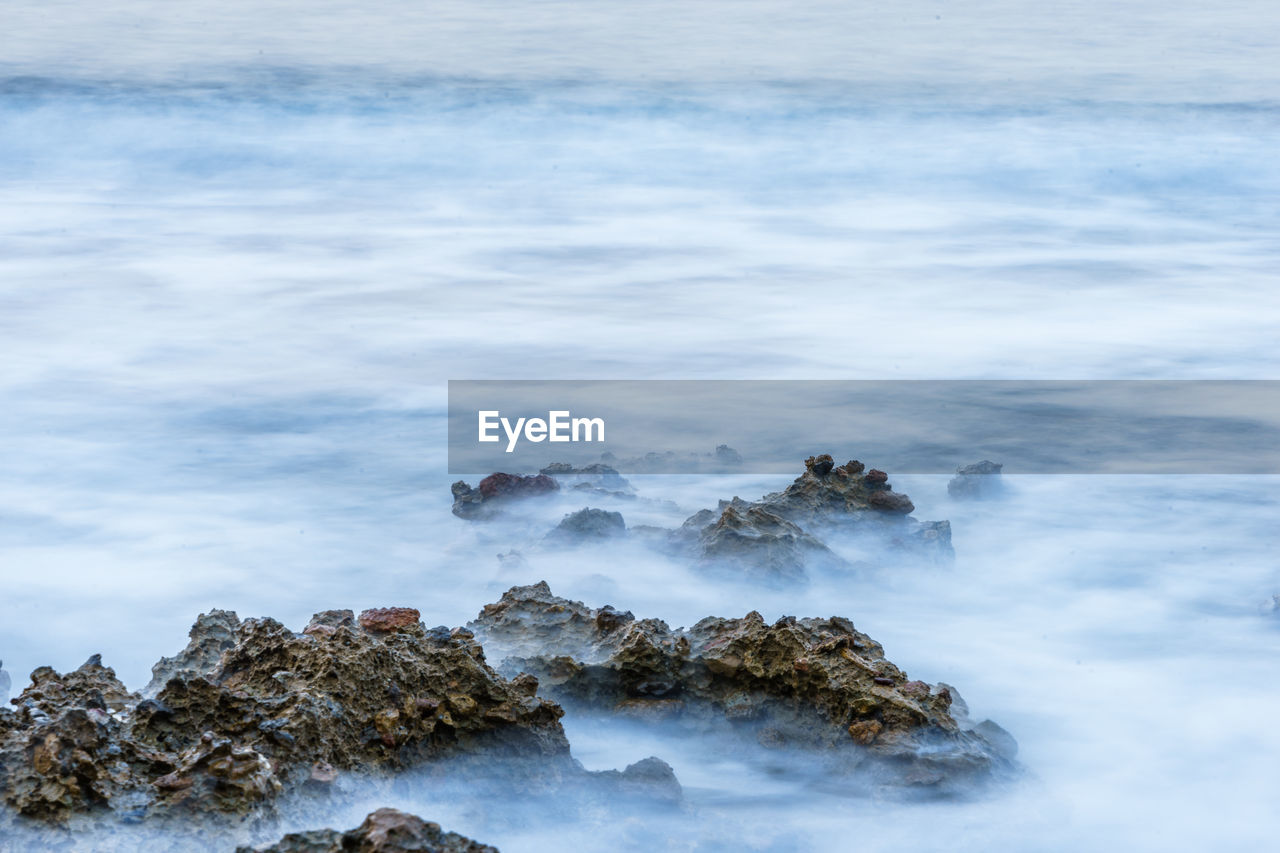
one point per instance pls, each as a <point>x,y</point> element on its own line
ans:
<point>212,634</point>
<point>275,711</point>
<point>815,684</point>
<point>384,831</point>
<point>749,540</point>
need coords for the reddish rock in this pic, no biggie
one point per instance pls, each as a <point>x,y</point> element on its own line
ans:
<point>501,485</point>
<point>876,477</point>
<point>890,501</point>
<point>387,619</point>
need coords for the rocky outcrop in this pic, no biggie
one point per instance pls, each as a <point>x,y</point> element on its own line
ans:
<point>6,684</point>
<point>830,495</point>
<point>277,710</point>
<point>814,684</point>
<point>588,525</point>
<point>384,831</point>
<point>66,748</point>
<point>212,634</point>
<point>486,500</point>
<point>749,541</point>
<point>777,538</point>
<point>977,481</point>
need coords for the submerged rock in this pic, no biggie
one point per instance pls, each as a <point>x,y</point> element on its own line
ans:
<point>384,831</point>
<point>814,684</point>
<point>485,501</point>
<point>749,540</point>
<point>589,525</point>
<point>596,478</point>
<point>976,481</point>
<point>776,538</point>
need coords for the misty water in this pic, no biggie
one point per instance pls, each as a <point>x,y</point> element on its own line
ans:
<point>244,245</point>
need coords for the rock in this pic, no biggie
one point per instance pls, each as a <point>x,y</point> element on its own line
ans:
<point>829,495</point>
<point>650,779</point>
<point>212,634</point>
<point>384,831</point>
<point>275,712</point>
<point>6,683</point>
<point>775,538</point>
<point>486,499</point>
<point>327,622</point>
<point>977,481</point>
<point>66,750</point>
<point>516,486</point>
<point>388,619</point>
<point>216,775</point>
<point>830,498</point>
<point>751,541</point>
<point>589,525</point>
<point>813,684</point>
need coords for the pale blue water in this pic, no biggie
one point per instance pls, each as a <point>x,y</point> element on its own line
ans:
<point>233,284</point>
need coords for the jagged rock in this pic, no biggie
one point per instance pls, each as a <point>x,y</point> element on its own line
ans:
<point>979,480</point>
<point>775,537</point>
<point>212,634</point>
<point>485,501</point>
<point>276,710</point>
<point>829,495</point>
<point>66,750</point>
<point>816,684</point>
<point>597,478</point>
<point>384,831</point>
<point>589,525</point>
<point>387,695</point>
<point>326,622</point>
<point>749,540</point>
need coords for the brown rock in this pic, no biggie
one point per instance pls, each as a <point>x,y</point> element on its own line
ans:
<point>387,619</point>
<point>865,731</point>
<point>743,675</point>
<point>516,486</point>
